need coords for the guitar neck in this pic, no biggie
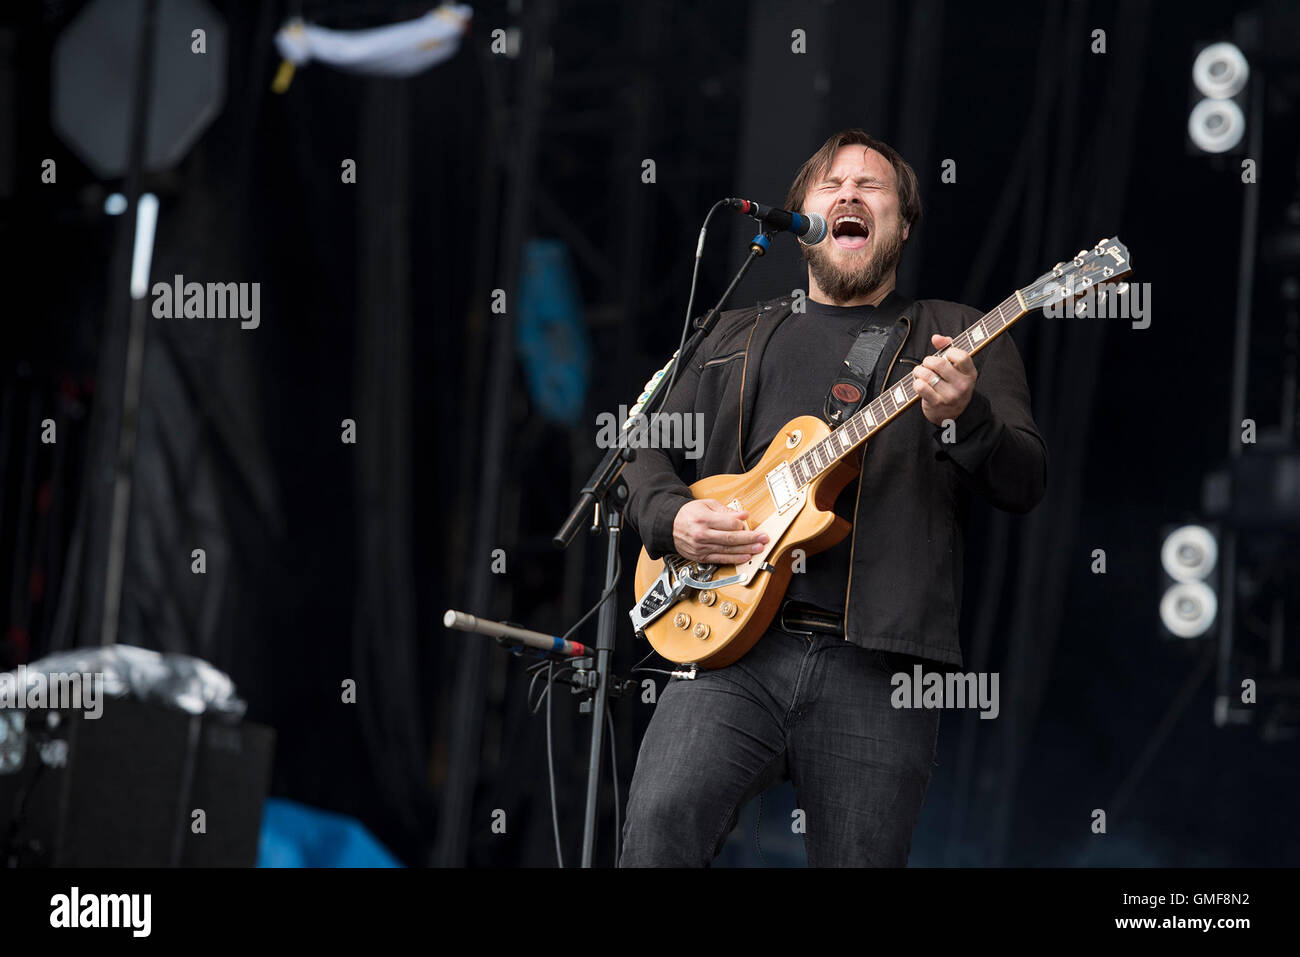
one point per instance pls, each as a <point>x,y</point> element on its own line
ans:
<point>887,406</point>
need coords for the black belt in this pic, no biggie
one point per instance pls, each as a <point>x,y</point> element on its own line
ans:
<point>801,618</point>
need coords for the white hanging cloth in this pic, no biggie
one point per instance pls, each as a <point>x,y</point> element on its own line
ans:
<point>399,49</point>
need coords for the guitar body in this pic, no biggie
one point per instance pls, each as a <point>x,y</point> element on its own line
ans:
<point>734,617</point>
<point>711,615</point>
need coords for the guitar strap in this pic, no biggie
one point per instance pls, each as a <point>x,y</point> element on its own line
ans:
<point>853,385</point>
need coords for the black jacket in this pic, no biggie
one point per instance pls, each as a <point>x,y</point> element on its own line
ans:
<point>913,502</point>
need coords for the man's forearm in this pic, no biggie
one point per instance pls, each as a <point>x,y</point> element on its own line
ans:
<point>657,495</point>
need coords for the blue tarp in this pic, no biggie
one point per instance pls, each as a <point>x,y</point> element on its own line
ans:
<point>295,835</point>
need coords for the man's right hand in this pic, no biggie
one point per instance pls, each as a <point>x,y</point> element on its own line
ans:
<point>707,531</point>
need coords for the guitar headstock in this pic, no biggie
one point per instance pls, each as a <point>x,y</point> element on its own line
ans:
<point>1107,262</point>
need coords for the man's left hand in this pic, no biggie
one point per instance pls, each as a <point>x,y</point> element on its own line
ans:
<point>947,396</point>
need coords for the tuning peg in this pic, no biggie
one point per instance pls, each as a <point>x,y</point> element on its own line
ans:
<point>1122,288</point>
<point>1080,254</point>
<point>1081,307</point>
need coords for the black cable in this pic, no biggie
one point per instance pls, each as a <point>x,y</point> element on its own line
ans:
<point>613,770</point>
<point>613,586</point>
<point>658,671</point>
<point>551,675</point>
<point>535,706</point>
<point>605,596</point>
<point>550,769</point>
<point>690,305</point>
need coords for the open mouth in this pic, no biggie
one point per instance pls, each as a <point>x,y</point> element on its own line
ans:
<point>850,232</point>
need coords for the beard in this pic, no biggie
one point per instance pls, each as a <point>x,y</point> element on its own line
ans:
<point>844,284</point>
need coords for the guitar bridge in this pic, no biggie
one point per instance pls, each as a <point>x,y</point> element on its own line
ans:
<point>666,591</point>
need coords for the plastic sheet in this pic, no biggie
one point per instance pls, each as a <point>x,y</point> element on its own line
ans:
<point>177,681</point>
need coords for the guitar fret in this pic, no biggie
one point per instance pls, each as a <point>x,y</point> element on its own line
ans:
<point>885,406</point>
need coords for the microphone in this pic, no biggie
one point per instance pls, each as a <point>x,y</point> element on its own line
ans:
<point>549,644</point>
<point>809,227</point>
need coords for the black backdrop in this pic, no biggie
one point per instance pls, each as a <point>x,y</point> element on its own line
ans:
<point>329,561</point>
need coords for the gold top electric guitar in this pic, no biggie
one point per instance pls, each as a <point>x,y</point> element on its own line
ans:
<point>712,614</point>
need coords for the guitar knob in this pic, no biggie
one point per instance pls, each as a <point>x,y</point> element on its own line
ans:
<point>682,620</point>
<point>708,597</point>
<point>701,630</point>
<point>728,609</point>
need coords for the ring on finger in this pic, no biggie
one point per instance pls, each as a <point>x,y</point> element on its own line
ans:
<point>934,380</point>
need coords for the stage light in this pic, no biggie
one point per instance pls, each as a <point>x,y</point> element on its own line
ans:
<point>1189,561</point>
<point>115,204</point>
<point>1188,609</point>
<point>1220,71</point>
<point>1189,553</point>
<point>1216,126</point>
<point>1216,121</point>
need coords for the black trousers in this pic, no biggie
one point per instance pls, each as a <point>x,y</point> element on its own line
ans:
<point>814,709</point>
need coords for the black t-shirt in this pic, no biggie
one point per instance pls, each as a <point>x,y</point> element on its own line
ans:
<point>801,360</point>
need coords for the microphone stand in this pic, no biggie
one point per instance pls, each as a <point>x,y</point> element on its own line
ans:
<point>606,493</point>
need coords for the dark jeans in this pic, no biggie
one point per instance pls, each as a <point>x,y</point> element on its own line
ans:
<point>812,709</point>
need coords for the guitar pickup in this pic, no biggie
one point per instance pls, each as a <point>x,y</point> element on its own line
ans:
<point>781,486</point>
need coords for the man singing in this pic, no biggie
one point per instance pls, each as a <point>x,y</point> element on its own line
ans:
<point>811,700</point>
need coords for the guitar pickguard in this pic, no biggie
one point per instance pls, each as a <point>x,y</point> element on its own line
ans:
<point>774,526</point>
